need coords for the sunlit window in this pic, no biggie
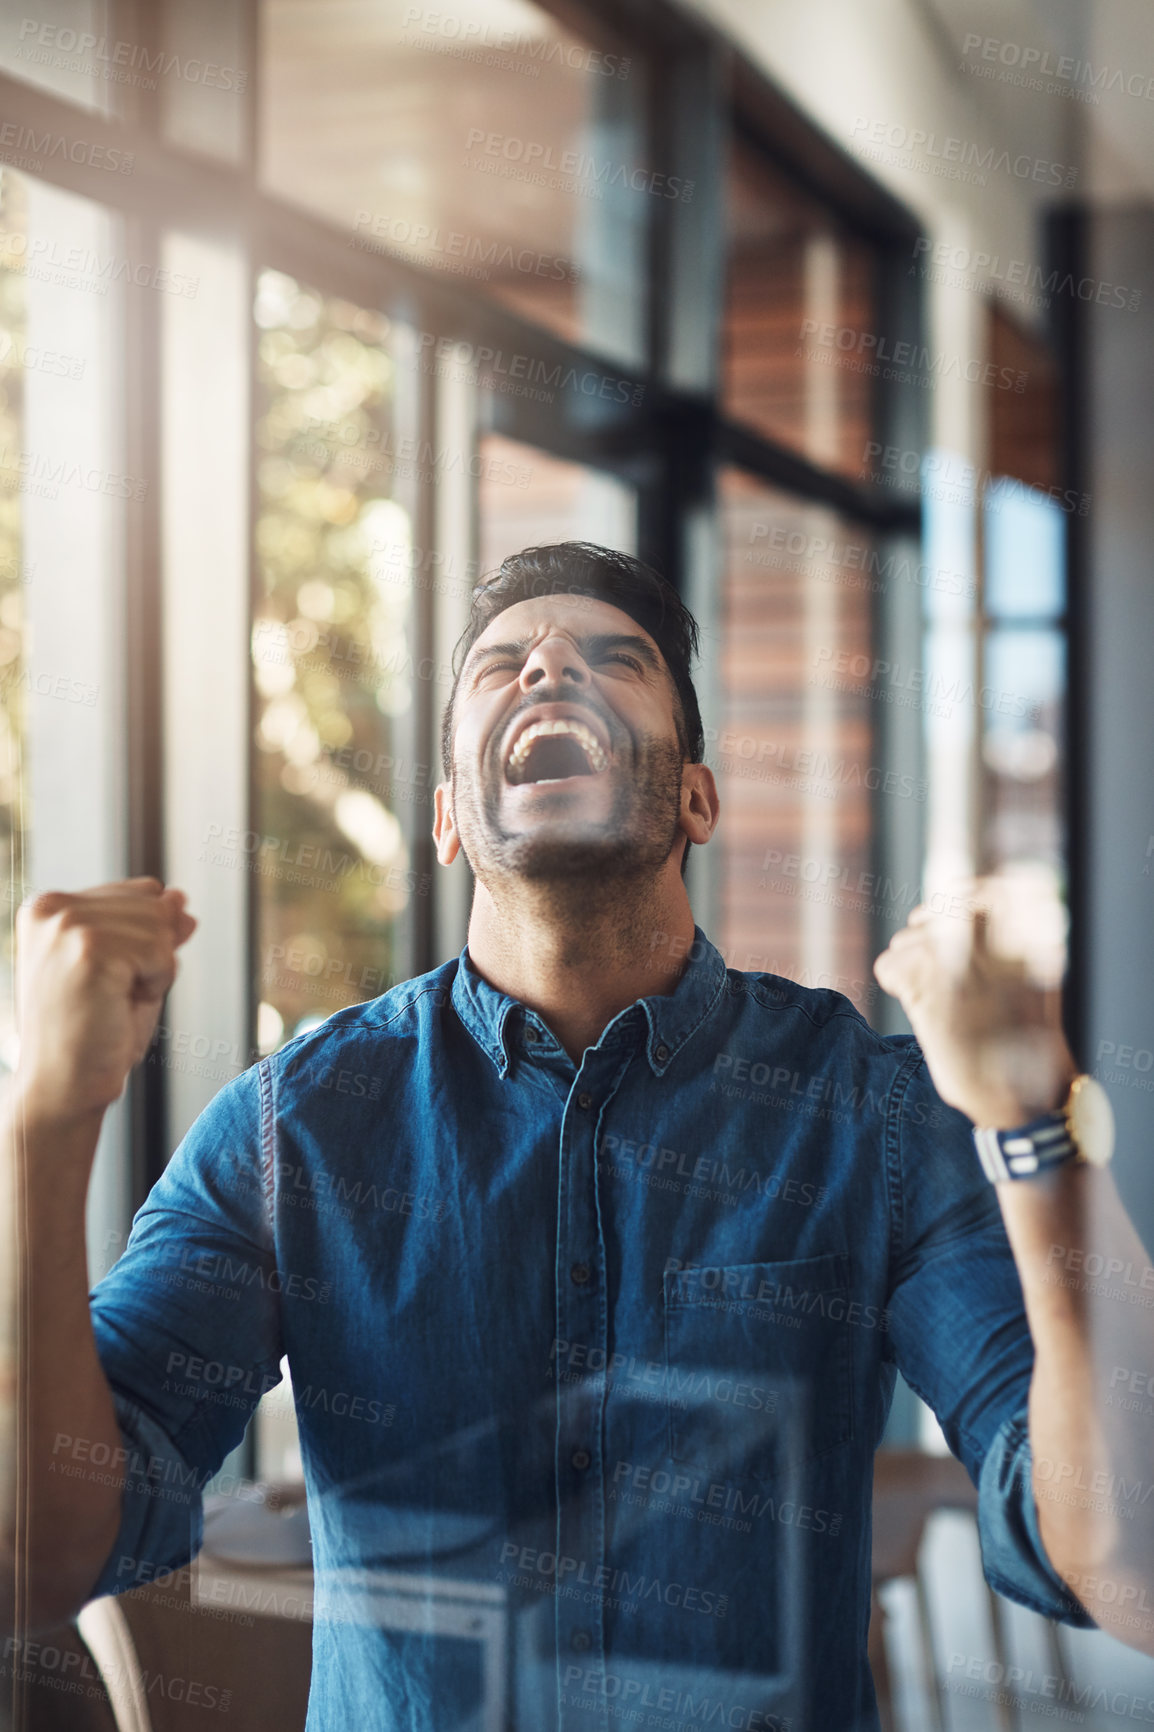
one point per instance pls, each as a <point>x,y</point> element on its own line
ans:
<point>68,504</point>
<point>332,661</point>
<point>13,572</point>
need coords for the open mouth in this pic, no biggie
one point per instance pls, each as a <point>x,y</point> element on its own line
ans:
<point>552,751</point>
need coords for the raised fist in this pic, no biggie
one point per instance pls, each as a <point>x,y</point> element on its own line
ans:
<point>92,969</point>
<point>981,987</point>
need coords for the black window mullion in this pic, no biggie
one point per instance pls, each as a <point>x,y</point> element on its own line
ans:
<point>783,467</point>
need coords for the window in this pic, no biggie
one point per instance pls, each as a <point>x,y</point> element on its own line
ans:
<point>800,324</point>
<point>791,741</point>
<point>1024,650</point>
<point>186,67</point>
<point>488,144</point>
<point>550,500</point>
<point>57,54</point>
<point>14,574</point>
<point>336,796</point>
<point>995,643</point>
<point>1024,523</point>
<point>68,503</point>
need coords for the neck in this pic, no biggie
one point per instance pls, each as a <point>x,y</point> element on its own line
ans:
<point>579,957</point>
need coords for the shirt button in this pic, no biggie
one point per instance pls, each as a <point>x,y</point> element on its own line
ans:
<point>581,1459</point>
<point>581,1641</point>
<point>579,1274</point>
<point>585,1101</point>
<point>662,1054</point>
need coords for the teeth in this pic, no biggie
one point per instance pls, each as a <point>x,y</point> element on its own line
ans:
<point>584,736</point>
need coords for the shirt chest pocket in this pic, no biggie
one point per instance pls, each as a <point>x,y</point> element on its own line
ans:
<point>758,1365</point>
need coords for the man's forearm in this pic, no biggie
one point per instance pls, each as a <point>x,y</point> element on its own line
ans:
<point>1089,1293</point>
<point>57,1528</point>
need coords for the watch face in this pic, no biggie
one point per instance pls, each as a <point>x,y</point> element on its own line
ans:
<point>1091,1120</point>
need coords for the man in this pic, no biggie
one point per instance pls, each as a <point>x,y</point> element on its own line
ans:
<point>634,1314</point>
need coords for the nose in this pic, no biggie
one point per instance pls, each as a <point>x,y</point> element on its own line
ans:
<point>553,661</point>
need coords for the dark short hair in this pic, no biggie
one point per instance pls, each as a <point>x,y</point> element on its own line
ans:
<point>583,568</point>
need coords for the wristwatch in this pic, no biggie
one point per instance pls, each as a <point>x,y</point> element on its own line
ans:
<point>1082,1129</point>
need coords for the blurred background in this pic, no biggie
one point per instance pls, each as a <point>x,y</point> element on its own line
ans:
<point>841,315</point>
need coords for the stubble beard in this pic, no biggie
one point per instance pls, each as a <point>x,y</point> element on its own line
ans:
<point>577,862</point>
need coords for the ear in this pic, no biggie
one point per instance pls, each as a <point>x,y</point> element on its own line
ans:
<point>444,827</point>
<point>700,805</point>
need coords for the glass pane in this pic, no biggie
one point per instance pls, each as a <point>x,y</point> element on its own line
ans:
<point>206,559</point>
<point>205,76</point>
<point>1023,747</point>
<point>1025,424</point>
<point>66,503</point>
<point>490,144</point>
<point>1025,553</point>
<point>71,52</point>
<point>14,574</point>
<point>950,660</point>
<point>548,500</point>
<point>790,742</point>
<point>332,661</point>
<point>1022,826</point>
<point>799,319</point>
<point>187,61</point>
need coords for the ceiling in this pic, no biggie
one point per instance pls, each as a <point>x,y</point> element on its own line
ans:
<point>1112,45</point>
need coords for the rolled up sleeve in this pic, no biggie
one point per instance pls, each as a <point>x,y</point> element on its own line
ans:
<point>162,1514</point>
<point>1013,1556</point>
<point>960,1334</point>
<point>187,1328</point>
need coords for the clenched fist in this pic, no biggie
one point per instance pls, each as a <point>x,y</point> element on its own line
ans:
<point>986,1015</point>
<point>92,969</point>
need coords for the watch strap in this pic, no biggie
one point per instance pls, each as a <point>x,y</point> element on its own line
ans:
<point>1026,1150</point>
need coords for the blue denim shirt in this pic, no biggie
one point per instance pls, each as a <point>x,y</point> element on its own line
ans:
<point>600,1354</point>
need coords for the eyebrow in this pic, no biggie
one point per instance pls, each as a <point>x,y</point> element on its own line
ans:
<point>594,643</point>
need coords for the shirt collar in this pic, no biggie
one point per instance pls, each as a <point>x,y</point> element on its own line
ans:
<point>672,1017</point>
